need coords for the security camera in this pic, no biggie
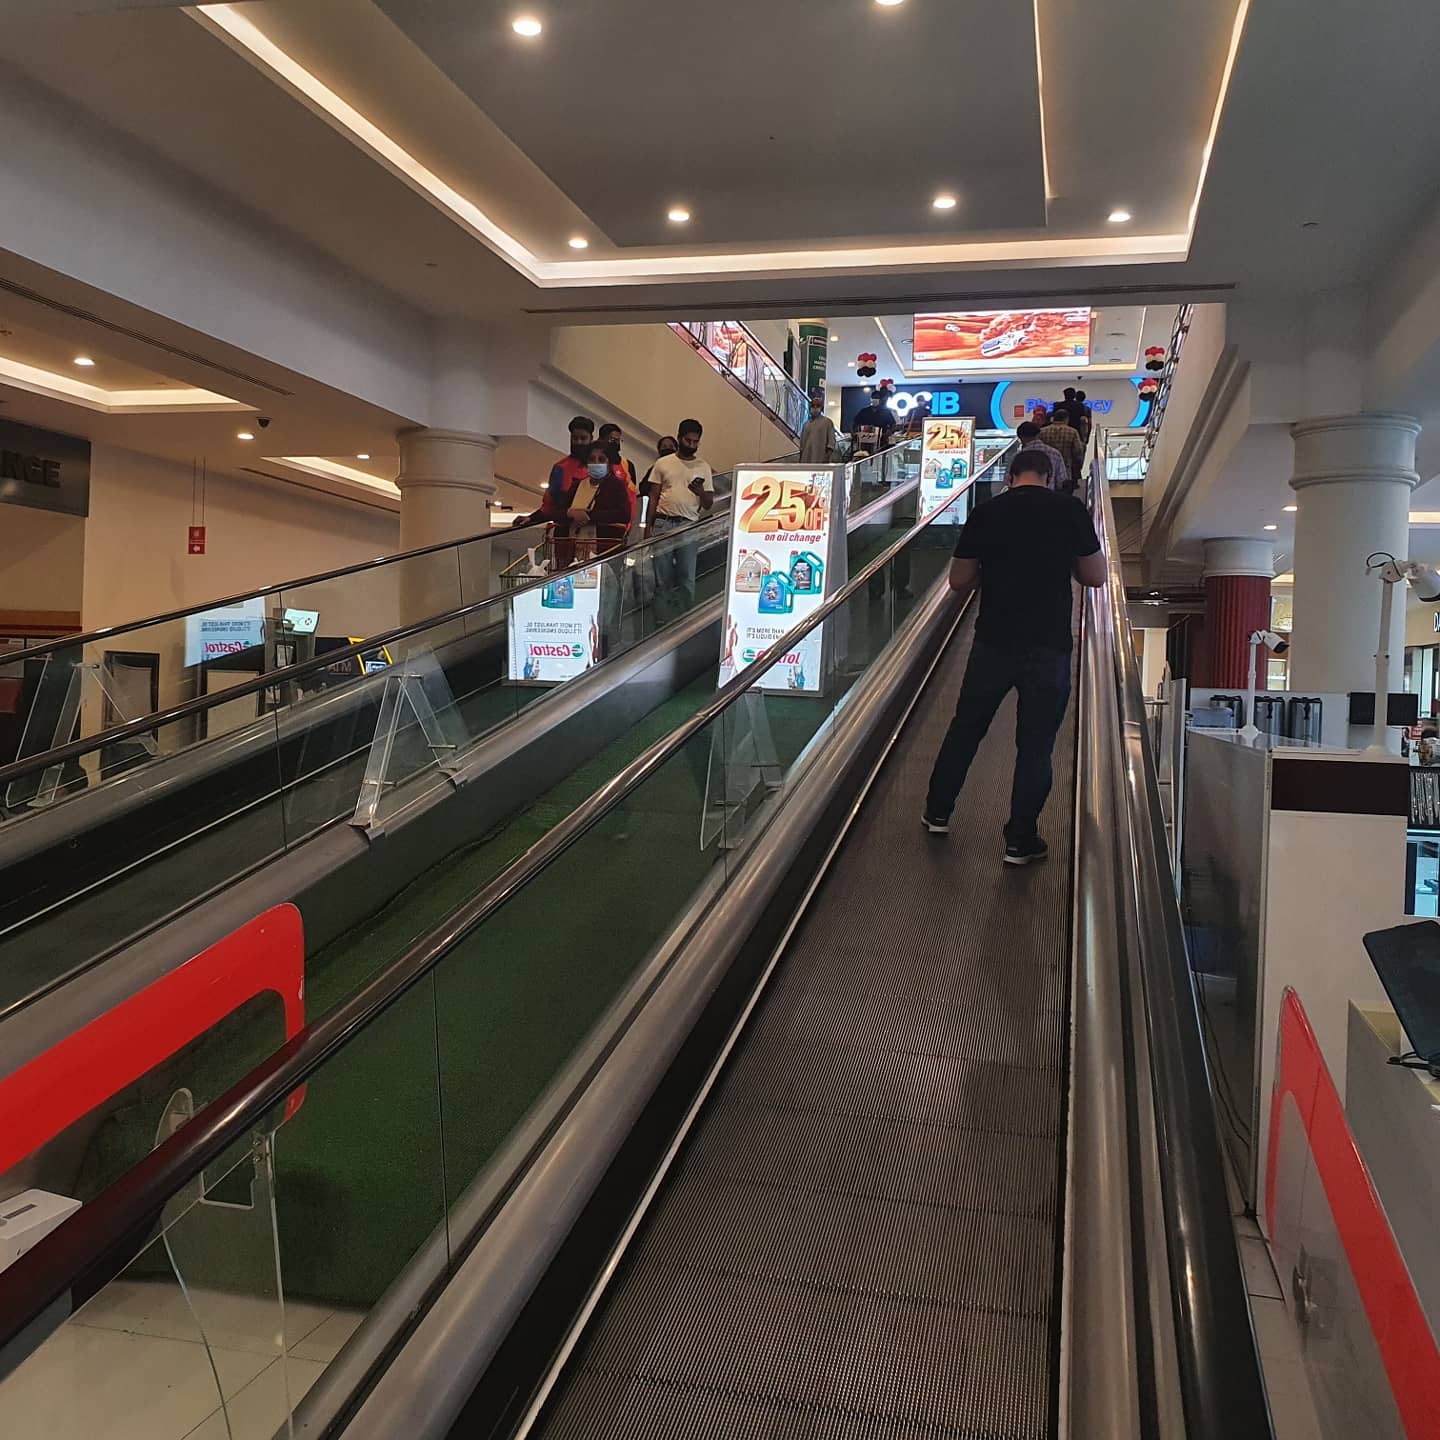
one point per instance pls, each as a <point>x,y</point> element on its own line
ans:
<point>263,421</point>
<point>1276,644</point>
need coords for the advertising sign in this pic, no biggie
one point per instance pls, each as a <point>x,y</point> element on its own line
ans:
<point>780,569</point>
<point>555,628</point>
<point>947,461</point>
<point>225,630</point>
<point>955,341</point>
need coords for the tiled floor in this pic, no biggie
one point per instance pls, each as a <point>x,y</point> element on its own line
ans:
<point>1291,1406</point>
<point>133,1365</point>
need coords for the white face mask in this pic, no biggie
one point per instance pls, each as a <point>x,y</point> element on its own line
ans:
<point>598,469</point>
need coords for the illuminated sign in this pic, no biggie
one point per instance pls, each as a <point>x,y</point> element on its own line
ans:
<point>225,630</point>
<point>947,464</point>
<point>787,553</point>
<point>969,340</point>
<point>555,627</point>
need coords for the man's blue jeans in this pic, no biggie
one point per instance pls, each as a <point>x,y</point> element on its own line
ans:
<point>1041,679</point>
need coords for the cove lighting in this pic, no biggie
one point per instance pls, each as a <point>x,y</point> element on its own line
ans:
<point>1119,217</point>
<point>678,215</point>
<point>84,360</point>
<point>944,202</point>
<point>526,25</point>
<point>244,435</point>
<point>579,242</point>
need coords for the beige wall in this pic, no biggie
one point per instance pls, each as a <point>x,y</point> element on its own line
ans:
<point>42,560</point>
<point>652,375</point>
<point>1420,623</point>
<point>136,562</point>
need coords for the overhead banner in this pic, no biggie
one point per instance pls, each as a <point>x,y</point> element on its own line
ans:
<point>947,461</point>
<point>787,521</point>
<point>225,630</point>
<point>955,341</point>
<point>555,628</point>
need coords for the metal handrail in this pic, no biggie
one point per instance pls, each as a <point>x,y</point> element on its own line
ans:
<point>88,1248</point>
<point>1219,1377</point>
<point>198,704</point>
<point>696,334</point>
<point>109,632</point>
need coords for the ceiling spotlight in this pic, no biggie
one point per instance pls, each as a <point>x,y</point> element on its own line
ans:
<point>678,215</point>
<point>1291,509</point>
<point>244,435</point>
<point>526,25</point>
<point>1272,527</point>
<point>84,360</point>
<point>579,242</point>
<point>1118,217</point>
<point>362,457</point>
<point>944,202</point>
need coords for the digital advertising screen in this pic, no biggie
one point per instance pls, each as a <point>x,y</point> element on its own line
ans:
<point>956,341</point>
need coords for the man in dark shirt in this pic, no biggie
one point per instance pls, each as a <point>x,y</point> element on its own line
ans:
<point>873,427</point>
<point>1022,549</point>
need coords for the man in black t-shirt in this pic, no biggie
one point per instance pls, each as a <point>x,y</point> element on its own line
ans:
<point>1022,549</point>
<point>873,428</point>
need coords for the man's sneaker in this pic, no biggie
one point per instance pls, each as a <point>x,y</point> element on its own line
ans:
<point>934,825</point>
<point>1026,852</point>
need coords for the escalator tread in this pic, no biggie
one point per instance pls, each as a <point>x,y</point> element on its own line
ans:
<point>860,1238</point>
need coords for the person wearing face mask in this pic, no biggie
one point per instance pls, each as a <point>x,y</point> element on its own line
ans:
<point>598,510</point>
<point>613,438</point>
<point>680,490</point>
<point>565,475</point>
<point>817,439</point>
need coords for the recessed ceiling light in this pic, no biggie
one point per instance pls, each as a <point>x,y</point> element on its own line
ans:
<point>84,360</point>
<point>1118,217</point>
<point>889,2</point>
<point>1291,509</point>
<point>244,435</point>
<point>1272,527</point>
<point>678,215</point>
<point>835,339</point>
<point>579,242</point>
<point>944,202</point>
<point>526,25</point>
<point>362,457</point>
<point>850,364</point>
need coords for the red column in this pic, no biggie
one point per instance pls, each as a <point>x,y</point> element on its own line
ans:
<point>1235,607</point>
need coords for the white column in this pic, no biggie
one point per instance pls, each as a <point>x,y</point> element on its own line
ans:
<point>446,480</point>
<point>1239,557</point>
<point>1352,482</point>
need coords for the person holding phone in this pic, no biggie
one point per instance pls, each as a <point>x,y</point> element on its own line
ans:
<point>679,490</point>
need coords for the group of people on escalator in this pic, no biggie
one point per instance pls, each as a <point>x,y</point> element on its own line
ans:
<point>596,504</point>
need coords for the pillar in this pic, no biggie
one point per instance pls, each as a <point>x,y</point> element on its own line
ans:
<point>1353,478</point>
<point>446,480</point>
<point>1237,603</point>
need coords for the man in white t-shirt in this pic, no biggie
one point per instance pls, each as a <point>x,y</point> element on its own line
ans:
<point>680,488</point>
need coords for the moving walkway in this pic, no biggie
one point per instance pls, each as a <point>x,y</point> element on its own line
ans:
<point>731,1109</point>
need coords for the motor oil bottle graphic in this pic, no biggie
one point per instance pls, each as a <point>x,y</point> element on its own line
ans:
<point>807,572</point>
<point>777,595</point>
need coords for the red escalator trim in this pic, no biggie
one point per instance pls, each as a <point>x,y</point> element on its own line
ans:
<point>96,1062</point>
<point>1402,1334</point>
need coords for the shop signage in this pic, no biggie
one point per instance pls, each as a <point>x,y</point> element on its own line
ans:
<point>1003,404</point>
<point>44,471</point>
<point>787,553</point>
<point>947,462</point>
<point>555,627</point>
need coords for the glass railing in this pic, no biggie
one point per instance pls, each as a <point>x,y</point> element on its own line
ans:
<point>298,1216</point>
<point>352,734</point>
<point>1124,454</point>
<point>731,348</point>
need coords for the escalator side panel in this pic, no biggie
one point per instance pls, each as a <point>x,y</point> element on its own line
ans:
<point>861,1235</point>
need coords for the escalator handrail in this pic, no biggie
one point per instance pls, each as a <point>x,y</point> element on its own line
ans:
<point>87,1250</point>
<point>1221,1388</point>
<point>109,632</point>
<point>198,704</point>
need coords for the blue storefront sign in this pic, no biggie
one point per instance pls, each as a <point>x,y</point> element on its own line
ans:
<point>1002,404</point>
